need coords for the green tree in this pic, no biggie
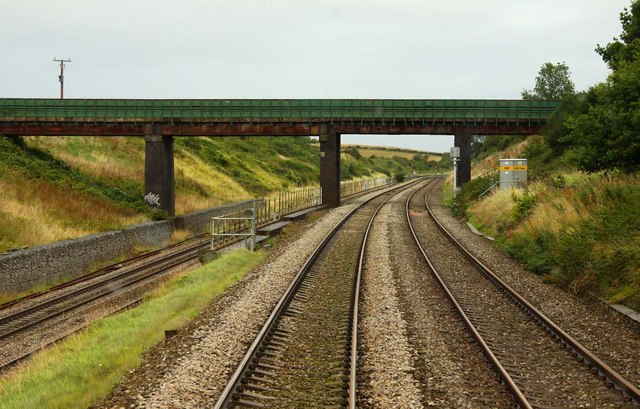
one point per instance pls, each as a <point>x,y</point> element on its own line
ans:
<point>477,143</point>
<point>552,82</point>
<point>607,135</point>
<point>627,47</point>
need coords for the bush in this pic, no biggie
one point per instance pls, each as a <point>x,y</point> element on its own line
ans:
<point>469,193</point>
<point>533,251</point>
<point>524,206</point>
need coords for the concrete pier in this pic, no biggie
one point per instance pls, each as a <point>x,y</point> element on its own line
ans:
<point>463,141</point>
<point>159,191</point>
<point>330,168</point>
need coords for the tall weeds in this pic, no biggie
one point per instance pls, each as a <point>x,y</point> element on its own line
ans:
<point>580,230</point>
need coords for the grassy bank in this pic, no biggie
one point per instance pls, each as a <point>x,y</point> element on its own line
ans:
<point>82,369</point>
<point>57,188</point>
<point>578,230</point>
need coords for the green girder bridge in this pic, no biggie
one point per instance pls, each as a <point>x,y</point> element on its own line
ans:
<point>160,120</point>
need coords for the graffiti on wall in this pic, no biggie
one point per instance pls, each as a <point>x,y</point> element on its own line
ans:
<point>152,199</point>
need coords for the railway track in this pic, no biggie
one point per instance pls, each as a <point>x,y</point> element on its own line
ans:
<point>25,318</point>
<point>39,311</point>
<point>540,364</point>
<point>306,353</point>
<point>98,273</point>
<point>107,284</point>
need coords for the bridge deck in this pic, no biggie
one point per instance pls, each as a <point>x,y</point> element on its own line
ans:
<point>191,117</point>
<point>294,110</point>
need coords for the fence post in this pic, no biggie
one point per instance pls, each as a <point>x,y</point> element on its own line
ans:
<point>213,226</point>
<point>253,229</point>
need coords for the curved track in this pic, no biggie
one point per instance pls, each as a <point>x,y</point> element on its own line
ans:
<point>540,364</point>
<point>306,353</point>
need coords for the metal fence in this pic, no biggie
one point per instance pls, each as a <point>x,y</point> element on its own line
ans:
<point>352,187</point>
<point>229,228</point>
<point>241,223</point>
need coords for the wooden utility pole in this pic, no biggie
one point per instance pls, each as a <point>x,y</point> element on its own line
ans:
<point>61,76</point>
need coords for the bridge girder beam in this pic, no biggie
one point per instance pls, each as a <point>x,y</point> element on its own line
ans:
<point>187,129</point>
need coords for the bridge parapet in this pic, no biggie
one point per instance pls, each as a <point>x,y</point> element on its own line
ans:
<point>332,111</point>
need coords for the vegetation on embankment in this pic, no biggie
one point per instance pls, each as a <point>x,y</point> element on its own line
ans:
<point>579,230</point>
<point>57,188</point>
<point>577,221</point>
<point>82,369</point>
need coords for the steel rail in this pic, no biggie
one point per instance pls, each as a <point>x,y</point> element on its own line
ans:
<point>236,378</point>
<point>142,272</point>
<point>519,397</point>
<point>625,387</point>
<point>104,270</point>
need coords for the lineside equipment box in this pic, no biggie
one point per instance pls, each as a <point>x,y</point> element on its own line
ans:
<point>513,173</point>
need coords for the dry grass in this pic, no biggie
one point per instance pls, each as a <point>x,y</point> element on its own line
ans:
<point>106,157</point>
<point>44,212</point>
<point>367,151</point>
<point>494,211</point>
<point>220,188</point>
<point>180,235</point>
<point>555,209</point>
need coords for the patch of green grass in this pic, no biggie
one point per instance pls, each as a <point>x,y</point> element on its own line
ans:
<point>287,159</point>
<point>82,369</point>
<point>18,162</point>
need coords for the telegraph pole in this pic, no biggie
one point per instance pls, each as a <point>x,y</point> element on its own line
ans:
<point>61,76</point>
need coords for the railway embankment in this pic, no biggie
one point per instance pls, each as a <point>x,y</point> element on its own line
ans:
<point>43,265</point>
<point>577,230</point>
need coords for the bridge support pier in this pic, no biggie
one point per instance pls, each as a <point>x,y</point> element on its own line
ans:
<point>463,175</point>
<point>159,190</point>
<point>330,168</point>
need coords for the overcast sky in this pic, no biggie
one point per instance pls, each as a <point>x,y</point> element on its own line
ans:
<point>301,49</point>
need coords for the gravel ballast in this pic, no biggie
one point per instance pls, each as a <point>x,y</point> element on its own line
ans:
<point>611,336</point>
<point>387,356</point>
<point>191,369</point>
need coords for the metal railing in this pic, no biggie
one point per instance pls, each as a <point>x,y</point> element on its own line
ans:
<point>242,222</point>
<point>229,228</point>
<point>352,187</point>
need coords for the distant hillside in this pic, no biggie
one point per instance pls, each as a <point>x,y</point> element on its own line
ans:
<point>58,188</point>
<point>387,152</point>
